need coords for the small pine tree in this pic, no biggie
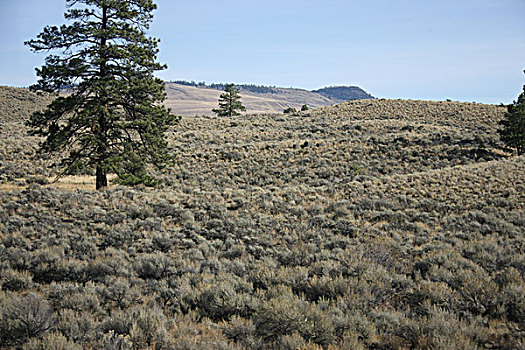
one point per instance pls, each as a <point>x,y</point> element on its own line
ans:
<point>229,103</point>
<point>304,108</point>
<point>112,118</point>
<point>513,132</point>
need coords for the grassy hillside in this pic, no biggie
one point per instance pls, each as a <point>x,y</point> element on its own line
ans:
<point>199,100</point>
<point>378,224</point>
<point>17,149</point>
<point>17,104</point>
<point>190,98</point>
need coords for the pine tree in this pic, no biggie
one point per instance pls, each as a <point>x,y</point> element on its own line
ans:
<point>111,117</point>
<point>229,103</point>
<point>513,132</point>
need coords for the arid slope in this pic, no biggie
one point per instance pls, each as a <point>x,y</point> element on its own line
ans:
<point>191,100</point>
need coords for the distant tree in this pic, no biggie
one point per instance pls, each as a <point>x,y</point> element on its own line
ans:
<point>513,131</point>
<point>229,103</point>
<point>304,108</point>
<point>248,87</point>
<point>113,118</point>
<point>290,110</point>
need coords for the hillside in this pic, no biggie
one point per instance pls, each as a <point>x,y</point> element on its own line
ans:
<point>372,224</point>
<point>17,104</point>
<point>344,93</point>
<point>192,99</point>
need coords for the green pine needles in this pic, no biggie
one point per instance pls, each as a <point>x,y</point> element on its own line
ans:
<point>111,117</point>
<point>513,132</point>
<point>229,103</point>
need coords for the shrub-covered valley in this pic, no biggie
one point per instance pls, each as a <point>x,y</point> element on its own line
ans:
<point>372,224</point>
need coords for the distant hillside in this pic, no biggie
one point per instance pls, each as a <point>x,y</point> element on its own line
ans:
<point>344,93</point>
<point>197,99</point>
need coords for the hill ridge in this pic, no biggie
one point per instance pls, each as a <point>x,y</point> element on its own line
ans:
<point>344,93</point>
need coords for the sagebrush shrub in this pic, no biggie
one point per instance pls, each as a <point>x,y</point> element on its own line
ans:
<point>26,317</point>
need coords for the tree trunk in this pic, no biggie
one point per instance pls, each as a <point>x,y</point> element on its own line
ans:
<point>102,181</point>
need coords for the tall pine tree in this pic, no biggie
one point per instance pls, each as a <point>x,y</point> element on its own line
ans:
<point>229,103</point>
<point>112,117</point>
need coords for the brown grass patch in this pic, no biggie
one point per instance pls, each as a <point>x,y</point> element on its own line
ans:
<point>68,183</point>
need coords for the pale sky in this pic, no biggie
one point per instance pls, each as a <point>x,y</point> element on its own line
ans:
<point>466,50</point>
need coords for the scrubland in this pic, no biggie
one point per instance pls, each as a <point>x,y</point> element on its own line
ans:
<point>375,224</point>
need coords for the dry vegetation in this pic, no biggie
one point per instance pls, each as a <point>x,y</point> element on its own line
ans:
<point>369,225</point>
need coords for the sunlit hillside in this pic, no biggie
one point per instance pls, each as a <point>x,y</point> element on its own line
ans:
<point>191,100</point>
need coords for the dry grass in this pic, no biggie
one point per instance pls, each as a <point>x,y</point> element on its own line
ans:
<point>68,183</point>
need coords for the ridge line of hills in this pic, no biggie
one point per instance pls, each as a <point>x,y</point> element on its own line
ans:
<point>191,98</point>
<point>337,92</point>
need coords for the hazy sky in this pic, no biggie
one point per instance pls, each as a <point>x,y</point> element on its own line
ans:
<point>468,50</point>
